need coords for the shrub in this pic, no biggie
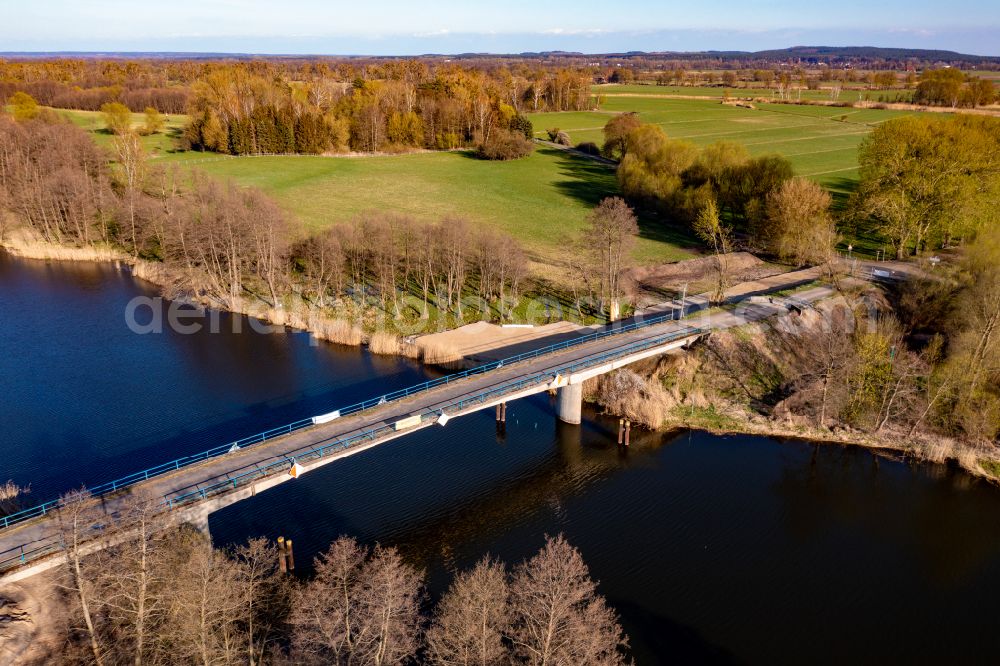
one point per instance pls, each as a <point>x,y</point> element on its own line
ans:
<point>589,147</point>
<point>562,138</point>
<point>553,132</point>
<point>505,145</point>
<point>521,124</point>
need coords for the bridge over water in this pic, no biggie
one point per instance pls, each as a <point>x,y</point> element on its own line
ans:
<point>191,488</point>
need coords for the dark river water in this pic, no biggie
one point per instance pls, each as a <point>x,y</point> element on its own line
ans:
<point>713,549</point>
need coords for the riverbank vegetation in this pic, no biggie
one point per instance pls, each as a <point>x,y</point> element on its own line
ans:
<point>170,597</point>
<point>914,367</point>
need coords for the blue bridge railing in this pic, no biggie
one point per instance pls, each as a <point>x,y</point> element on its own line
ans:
<point>248,474</point>
<point>282,463</point>
<point>116,485</point>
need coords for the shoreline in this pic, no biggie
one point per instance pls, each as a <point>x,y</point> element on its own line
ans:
<point>340,331</point>
<point>309,320</point>
<point>942,451</point>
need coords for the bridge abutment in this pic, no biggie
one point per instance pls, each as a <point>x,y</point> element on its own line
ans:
<point>200,523</point>
<point>569,405</point>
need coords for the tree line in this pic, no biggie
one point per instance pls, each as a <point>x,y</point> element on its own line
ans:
<point>317,106</point>
<point>236,111</point>
<point>722,194</point>
<point>954,88</point>
<point>929,181</point>
<point>154,597</point>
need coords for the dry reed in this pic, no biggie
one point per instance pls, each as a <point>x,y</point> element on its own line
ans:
<point>383,342</point>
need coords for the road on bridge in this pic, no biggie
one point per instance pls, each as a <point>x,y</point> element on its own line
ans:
<point>278,454</point>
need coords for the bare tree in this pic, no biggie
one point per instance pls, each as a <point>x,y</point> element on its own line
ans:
<point>710,229</point>
<point>609,239</point>
<point>473,619</point>
<point>77,517</point>
<point>389,611</point>
<point>559,619</point>
<point>132,164</point>
<point>268,229</point>
<point>322,258</point>
<point>263,593</point>
<point>453,259</point>
<point>133,579</point>
<point>325,611</point>
<point>206,609</point>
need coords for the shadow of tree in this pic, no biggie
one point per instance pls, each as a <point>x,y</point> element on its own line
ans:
<point>591,181</point>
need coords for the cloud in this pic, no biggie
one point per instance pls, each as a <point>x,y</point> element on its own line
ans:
<point>574,31</point>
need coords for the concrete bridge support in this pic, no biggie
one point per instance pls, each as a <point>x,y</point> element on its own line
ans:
<point>199,521</point>
<point>570,403</point>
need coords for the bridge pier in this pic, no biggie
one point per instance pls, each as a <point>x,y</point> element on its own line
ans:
<point>569,405</point>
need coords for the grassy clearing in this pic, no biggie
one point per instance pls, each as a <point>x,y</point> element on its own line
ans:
<point>717,92</point>
<point>164,142</point>
<point>821,142</point>
<point>542,200</point>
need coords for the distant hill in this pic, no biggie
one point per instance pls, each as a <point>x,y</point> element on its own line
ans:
<point>831,55</point>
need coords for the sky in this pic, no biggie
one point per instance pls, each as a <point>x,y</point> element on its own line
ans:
<point>400,27</point>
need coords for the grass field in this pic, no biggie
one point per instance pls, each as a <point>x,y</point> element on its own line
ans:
<point>543,200</point>
<point>820,141</point>
<point>610,90</point>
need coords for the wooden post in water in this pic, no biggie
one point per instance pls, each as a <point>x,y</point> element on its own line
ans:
<point>621,431</point>
<point>289,556</point>
<point>498,412</point>
<point>503,412</point>
<point>282,564</point>
<point>628,430</point>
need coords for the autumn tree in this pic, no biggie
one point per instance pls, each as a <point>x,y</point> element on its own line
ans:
<point>23,106</point>
<point>153,122</point>
<point>616,133</point>
<point>971,372</point>
<point>926,181</point>
<point>652,170</point>
<point>799,227</point>
<point>558,617</point>
<point>117,118</point>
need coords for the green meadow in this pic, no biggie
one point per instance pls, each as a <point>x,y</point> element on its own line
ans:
<point>820,141</point>
<point>164,142</point>
<point>846,95</point>
<point>542,200</point>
